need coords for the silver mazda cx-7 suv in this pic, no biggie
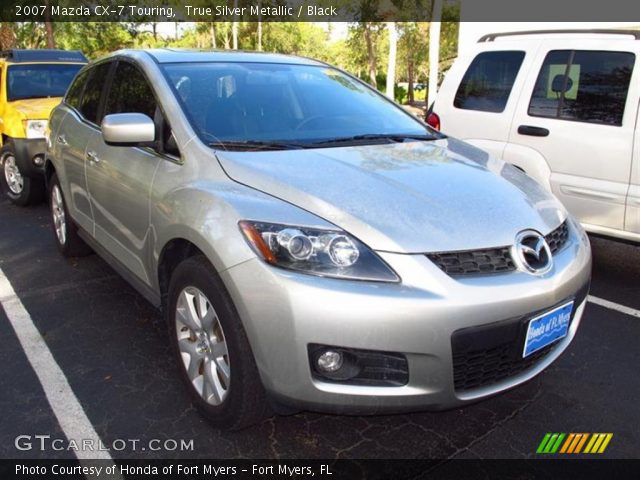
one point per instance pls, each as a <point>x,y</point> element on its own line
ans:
<point>313,245</point>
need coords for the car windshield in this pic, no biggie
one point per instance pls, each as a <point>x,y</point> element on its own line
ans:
<point>285,105</point>
<point>39,80</point>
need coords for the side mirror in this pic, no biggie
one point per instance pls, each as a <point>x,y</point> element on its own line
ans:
<point>128,129</point>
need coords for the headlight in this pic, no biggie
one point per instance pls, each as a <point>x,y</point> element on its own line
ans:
<point>36,128</point>
<point>331,253</point>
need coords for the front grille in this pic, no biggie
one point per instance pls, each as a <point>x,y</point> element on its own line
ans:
<point>558,237</point>
<point>470,262</point>
<point>482,367</point>
<point>487,354</point>
<point>490,260</point>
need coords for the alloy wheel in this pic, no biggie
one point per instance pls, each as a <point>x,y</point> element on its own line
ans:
<point>57,210</point>
<point>12,174</point>
<point>202,346</point>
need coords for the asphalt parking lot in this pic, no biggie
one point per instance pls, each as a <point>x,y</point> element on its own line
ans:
<point>112,347</point>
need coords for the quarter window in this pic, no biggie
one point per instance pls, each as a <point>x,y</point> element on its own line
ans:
<point>487,84</point>
<point>75,91</point>
<point>130,92</point>
<point>90,101</point>
<point>584,86</point>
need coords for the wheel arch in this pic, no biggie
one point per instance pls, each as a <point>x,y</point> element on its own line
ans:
<point>49,170</point>
<point>174,252</point>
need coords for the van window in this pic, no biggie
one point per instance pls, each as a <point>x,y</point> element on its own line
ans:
<point>487,84</point>
<point>39,80</point>
<point>583,86</point>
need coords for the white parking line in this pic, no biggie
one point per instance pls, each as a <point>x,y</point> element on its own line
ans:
<point>614,306</point>
<point>63,402</point>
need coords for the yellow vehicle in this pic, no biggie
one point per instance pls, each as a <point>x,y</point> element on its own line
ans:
<point>32,82</point>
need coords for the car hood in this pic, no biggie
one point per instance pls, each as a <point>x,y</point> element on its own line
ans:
<point>410,197</point>
<point>35,108</point>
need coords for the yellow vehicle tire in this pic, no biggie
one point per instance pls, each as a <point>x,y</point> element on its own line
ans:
<point>20,189</point>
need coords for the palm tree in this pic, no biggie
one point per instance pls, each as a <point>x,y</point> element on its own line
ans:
<point>391,69</point>
<point>48,26</point>
<point>234,27</point>
<point>212,34</point>
<point>7,36</point>
<point>434,50</point>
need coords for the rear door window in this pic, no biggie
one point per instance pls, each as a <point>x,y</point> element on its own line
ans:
<point>487,84</point>
<point>583,86</point>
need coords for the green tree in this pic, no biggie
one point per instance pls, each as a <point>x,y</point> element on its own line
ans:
<point>93,38</point>
<point>413,47</point>
<point>7,35</point>
<point>367,46</point>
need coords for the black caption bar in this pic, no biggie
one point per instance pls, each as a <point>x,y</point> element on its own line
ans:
<point>216,10</point>
<point>318,10</point>
<point>584,469</point>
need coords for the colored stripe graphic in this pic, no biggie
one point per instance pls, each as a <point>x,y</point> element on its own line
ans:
<point>555,447</point>
<point>576,438</point>
<point>567,443</point>
<point>550,443</point>
<point>598,442</point>
<point>573,444</point>
<point>581,443</point>
<point>605,443</point>
<point>594,437</point>
<point>543,443</point>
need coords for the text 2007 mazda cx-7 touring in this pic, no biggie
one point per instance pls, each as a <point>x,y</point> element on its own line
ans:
<point>312,244</point>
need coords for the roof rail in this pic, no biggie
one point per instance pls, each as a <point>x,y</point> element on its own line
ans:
<point>43,55</point>
<point>492,36</point>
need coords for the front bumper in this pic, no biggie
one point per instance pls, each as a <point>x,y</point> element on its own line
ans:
<point>25,150</point>
<point>283,312</point>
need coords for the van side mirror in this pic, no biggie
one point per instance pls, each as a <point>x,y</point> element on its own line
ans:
<point>128,129</point>
<point>558,85</point>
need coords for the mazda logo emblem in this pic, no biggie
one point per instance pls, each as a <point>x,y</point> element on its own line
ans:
<point>531,253</point>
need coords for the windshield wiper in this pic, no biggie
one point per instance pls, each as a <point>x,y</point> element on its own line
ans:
<point>391,137</point>
<point>240,145</point>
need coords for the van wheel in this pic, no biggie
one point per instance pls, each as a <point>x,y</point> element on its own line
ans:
<point>211,348</point>
<point>65,231</point>
<point>20,189</point>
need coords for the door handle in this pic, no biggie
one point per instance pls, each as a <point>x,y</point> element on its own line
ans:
<point>92,156</point>
<point>533,131</point>
<point>61,140</point>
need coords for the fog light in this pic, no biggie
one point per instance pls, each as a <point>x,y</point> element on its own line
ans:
<point>329,361</point>
<point>351,366</point>
<point>38,160</point>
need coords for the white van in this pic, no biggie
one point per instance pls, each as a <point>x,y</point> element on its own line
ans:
<point>562,105</point>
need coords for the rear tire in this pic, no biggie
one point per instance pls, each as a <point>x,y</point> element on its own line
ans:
<point>65,232</point>
<point>18,188</point>
<point>211,348</point>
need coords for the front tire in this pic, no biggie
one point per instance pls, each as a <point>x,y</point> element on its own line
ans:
<point>211,348</point>
<point>65,231</point>
<point>18,188</point>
